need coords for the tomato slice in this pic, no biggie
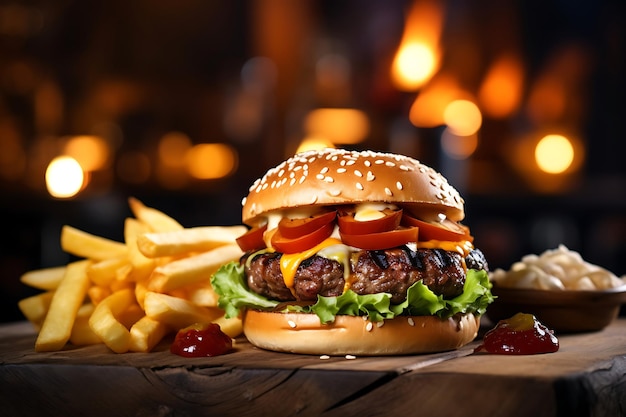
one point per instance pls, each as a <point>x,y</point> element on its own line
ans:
<point>381,240</point>
<point>302,243</point>
<point>252,239</point>
<point>294,228</point>
<point>348,225</point>
<point>447,230</point>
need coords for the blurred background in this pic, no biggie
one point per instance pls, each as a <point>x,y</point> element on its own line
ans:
<point>183,104</point>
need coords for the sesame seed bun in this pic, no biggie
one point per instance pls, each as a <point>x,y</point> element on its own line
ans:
<point>336,176</point>
<point>303,333</point>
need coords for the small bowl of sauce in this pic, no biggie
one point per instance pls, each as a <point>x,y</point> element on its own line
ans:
<point>565,311</point>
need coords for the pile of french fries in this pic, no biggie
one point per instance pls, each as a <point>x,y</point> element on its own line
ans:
<point>130,295</point>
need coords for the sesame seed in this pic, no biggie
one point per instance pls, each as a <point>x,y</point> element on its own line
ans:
<point>411,321</point>
<point>292,182</point>
<point>350,162</point>
<point>359,186</point>
<point>358,173</point>
<point>243,201</point>
<point>370,176</point>
<point>335,193</point>
<point>399,185</point>
<point>390,164</point>
<point>369,326</point>
<point>320,176</point>
<point>302,178</point>
<point>388,192</point>
<point>404,168</point>
<point>324,357</point>
<point>367,163</point>
<point>291,324</point>
<point>329,179</point>
<point>324,170</point>
<point>379,161</point>
<point>281,173</point>
<point>380,323</point>
<point>350,357</point>
<point>341,170</point>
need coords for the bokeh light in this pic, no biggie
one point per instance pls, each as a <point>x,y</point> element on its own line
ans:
<point>91,152</point>
<point>339,126</point>
<point>211,161</point>
<point>64,177</point>
<point>554,154</point>
<point>463,117</point>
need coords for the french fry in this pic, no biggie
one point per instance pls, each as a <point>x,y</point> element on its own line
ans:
<point>177,312</point>
<point>156,220</point>
<point>233,326</point>
<point>44,279</point>
<point>155,282</point>
<point>35,307</point>
<point>142,266</point>
<point>86,245</point>
<point>131,315</point>
<point>146,333</point>
<point>104,272</point>
<point>105,324</point>
<point>97,293</point>
<point>195,239</point>
<point>82,334</point>
<point>141,288</point>
<point>193,269</point>
<point>57,326</point>
<point>202,294</point>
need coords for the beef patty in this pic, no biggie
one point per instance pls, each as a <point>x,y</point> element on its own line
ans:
<point>392,271</point>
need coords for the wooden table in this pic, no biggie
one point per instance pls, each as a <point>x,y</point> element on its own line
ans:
<point>586,377</point>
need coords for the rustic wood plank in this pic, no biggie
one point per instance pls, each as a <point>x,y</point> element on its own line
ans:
<point>587,377</point>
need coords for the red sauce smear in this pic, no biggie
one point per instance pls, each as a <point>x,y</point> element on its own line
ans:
<point>199,340</point>
<point>521,334</point>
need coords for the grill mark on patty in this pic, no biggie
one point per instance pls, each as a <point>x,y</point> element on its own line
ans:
<point>392,271</point>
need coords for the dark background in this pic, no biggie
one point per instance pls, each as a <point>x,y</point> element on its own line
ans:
<point>139,69</point>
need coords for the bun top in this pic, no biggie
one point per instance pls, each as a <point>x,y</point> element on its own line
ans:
<point>337,176</point>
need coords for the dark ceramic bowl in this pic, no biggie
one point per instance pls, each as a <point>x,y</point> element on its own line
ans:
<point>562,311</point>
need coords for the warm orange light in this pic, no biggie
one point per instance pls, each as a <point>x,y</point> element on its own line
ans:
<point>501,90</point>
<point>429,106</point>
<point>173,148</point>
<point>64,177</point>
<point>456,146</point>
<point>418,55</point>
<point>554,154</point>
<point>311,143</point>
<point>91,152</point>
<point>211,161</point>
<point>340,126</point>
<point>462,117</point>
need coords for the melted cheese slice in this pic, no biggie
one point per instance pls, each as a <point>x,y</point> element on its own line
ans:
<point>464,247</point>
<point>289,262</point>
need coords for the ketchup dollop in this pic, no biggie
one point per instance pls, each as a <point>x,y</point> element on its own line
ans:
<point>200,340</point>
<point>521,334</point>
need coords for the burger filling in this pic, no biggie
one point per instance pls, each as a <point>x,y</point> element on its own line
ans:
<point>390,271</point>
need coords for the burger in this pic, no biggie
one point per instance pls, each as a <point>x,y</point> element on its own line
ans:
<point>355,253</point>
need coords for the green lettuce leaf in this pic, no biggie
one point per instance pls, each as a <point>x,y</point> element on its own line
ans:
<point>229,282</point>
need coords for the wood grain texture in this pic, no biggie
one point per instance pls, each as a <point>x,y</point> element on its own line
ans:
<point>587,377</point>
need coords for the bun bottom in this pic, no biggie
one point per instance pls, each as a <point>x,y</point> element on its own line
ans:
<point>303,333</point>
